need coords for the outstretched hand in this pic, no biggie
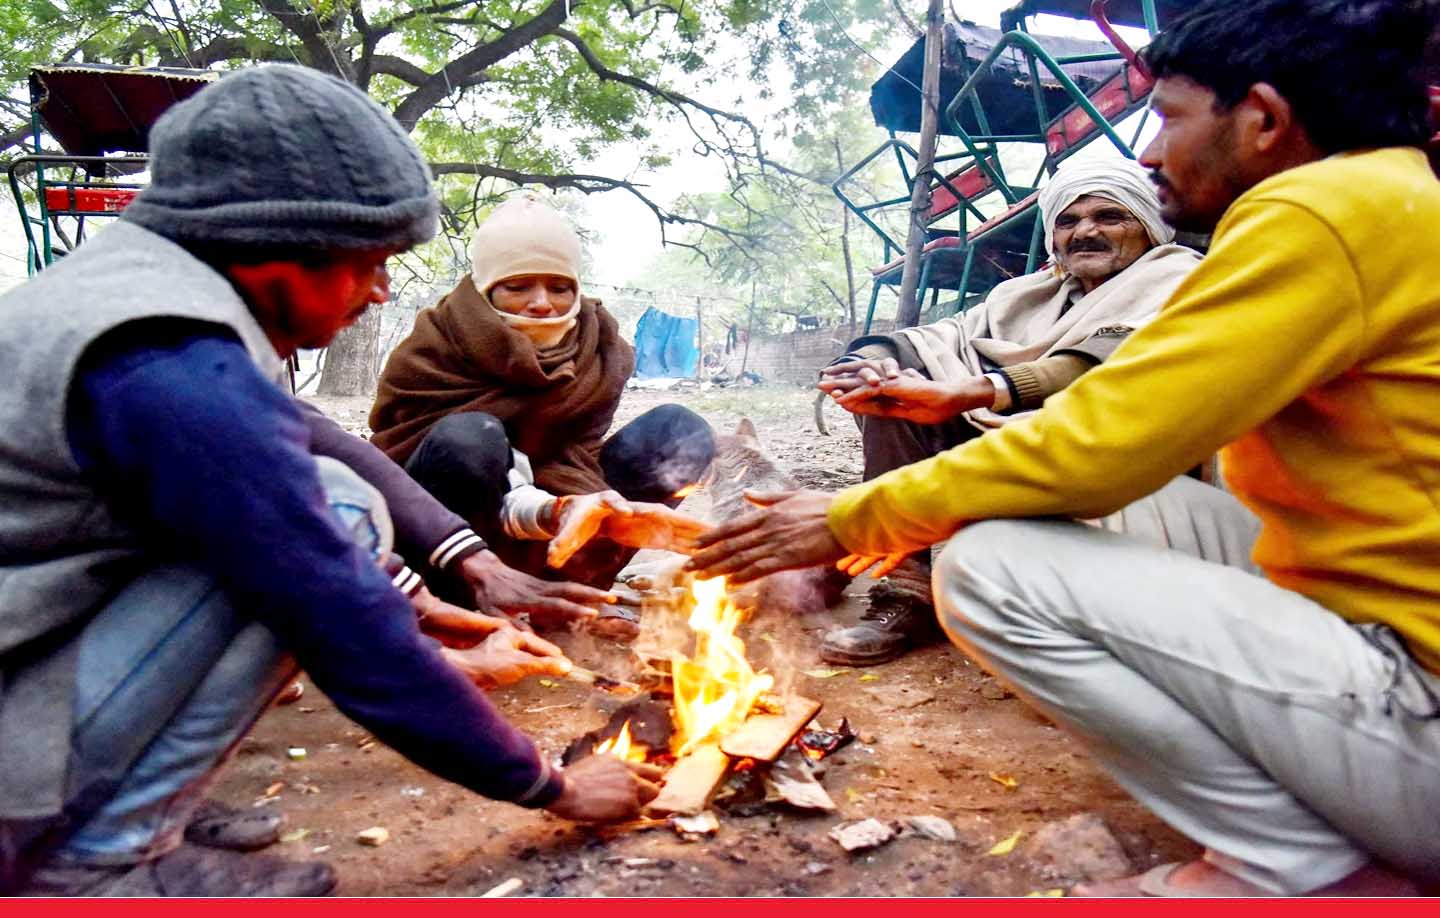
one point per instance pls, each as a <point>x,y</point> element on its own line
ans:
<point>909,395</point>
<point>508,655</point>
<point>790,530</point>
<point>602,788</point>
<point>502,589</point>
<point>632,523</point>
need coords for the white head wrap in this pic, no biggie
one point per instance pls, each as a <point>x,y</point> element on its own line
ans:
<point>1123,181</point>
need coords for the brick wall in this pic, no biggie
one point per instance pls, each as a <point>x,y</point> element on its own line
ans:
<point>797,356</point>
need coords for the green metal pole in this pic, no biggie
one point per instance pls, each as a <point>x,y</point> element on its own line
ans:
<point>1037,235</point>
<point>1152,21</point>
<point>1029,44</point>
<point>874,298</point>
<point>40,191</point>
<point>965,274</point>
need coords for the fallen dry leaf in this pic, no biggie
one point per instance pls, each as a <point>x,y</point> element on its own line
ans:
<point>294,836</point>
<point>869,677</point>
<point>549,683</point>
<point>824,673</point>
<point>1045,893</point>
<point>853,795</point>
<point>1004,781</point>
<point>1005,846</point>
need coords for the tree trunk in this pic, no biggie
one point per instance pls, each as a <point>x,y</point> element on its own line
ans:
<point>909,311</point>
<point>352,362</point>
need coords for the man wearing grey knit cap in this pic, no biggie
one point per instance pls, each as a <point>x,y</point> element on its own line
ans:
<point>923,390</point>
<point>170,547</point>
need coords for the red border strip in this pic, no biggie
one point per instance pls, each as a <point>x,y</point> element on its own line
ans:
<point>697,908</point>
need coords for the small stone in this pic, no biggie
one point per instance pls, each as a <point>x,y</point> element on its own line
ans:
<point>995,692</point>
<point>1079,848</point>
<point>295,753</point>
<point>815,868</point>
<point>375,836</point>
<point>863,835</point>
<point>931,827</point>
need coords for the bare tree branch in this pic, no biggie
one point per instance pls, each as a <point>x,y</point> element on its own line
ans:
<point>591,184</point>
<point>440,84</point>
<point>402,69</point>
<point>720,119</point>
<point>915,30</point>
<point>305,25</point>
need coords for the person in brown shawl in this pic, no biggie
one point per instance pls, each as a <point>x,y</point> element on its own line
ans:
<point>499,402</point>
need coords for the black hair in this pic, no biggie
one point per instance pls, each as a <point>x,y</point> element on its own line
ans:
<point>1350,69</point>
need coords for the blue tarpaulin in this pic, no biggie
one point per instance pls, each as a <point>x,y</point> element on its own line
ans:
<point>665,345</point>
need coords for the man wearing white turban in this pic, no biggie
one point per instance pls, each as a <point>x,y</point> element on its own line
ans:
<point>1113,263</point>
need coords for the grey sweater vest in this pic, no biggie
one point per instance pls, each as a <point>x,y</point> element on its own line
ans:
<point>63,553</point>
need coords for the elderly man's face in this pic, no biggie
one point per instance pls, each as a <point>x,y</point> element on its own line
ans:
<point>1096,239</point>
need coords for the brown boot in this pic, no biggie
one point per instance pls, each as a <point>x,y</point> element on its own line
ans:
<point>901,617</point>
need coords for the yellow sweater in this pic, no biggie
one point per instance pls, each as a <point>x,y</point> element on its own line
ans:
<point>1308,340</point>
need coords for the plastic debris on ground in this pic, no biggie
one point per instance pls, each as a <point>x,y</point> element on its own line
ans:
<point>791,781</point>
<point>931,827</point>
<point>863,835</point>
<point>818,744</point>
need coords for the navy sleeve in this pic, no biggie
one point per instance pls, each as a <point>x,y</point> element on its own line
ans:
<point>212,461</point>
<point>426,532</point>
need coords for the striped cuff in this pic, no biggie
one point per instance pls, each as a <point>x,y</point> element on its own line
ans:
<point>458,546</point>
<point>401,577</point>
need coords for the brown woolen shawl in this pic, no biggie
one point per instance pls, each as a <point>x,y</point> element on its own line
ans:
<point>556,403</point>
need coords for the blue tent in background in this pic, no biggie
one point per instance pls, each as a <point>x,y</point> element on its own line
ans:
<point>665,345</point>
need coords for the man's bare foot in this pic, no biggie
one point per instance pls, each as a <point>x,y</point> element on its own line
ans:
<point>1202,880</point>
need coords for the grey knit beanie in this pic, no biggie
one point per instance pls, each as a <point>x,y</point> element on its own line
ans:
<point>279,156</point>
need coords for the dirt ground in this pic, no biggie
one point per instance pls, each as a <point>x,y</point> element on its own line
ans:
<point>937,737</point>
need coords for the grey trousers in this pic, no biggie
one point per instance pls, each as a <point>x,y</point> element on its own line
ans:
<point>1294,746</point>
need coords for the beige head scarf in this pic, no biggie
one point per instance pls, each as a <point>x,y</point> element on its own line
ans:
<point>1123,181</point>
<point>523,237</point>
<point>1034,316</point>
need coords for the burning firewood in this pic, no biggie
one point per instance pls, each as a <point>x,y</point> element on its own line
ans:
<point>692,782</point>
<point>764,737</point>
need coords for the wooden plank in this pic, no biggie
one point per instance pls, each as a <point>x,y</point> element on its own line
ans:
<point>692,781</point>
<point>763,737</point>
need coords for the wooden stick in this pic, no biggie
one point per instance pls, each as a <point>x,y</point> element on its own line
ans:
<point>602,682</point>
<point>763,737</point>
<point>692,781</point>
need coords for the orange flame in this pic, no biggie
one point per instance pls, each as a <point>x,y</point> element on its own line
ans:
<point>716,688</point>
<point>686,491</point>
<point>622,746</point>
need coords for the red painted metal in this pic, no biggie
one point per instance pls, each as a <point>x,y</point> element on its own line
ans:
<point>88,200</point>
<point>1097,12</point>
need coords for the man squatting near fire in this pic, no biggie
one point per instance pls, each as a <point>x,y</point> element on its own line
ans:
<point>498,402</point>
<point>1284,713</point>
<point>170,547</point>
<point>1114,265</point>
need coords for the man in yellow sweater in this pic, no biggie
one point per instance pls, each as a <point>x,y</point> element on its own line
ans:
<point>1287,720</point>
